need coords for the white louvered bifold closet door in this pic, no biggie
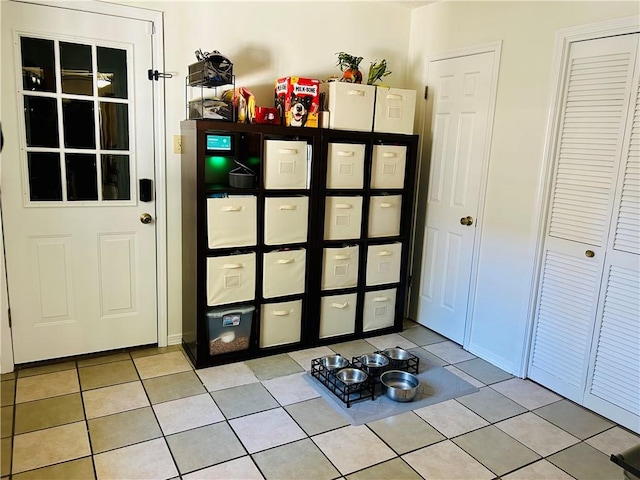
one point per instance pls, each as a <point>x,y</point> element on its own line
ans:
<point>599,88</point>
<point>613,386</point>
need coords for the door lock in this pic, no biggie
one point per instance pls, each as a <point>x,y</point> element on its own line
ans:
<point>466,221</point>
<point>146,218</point>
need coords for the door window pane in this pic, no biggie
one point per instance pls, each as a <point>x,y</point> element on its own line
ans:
<point>45,182</point>
<point>78,124</point>
<point>82,183</point>
<point>77,73</point>
<point>114,126</point>
<point>38,65</point>
<point>112,72</point>
<point>41,121</point>
<point>115,177</point>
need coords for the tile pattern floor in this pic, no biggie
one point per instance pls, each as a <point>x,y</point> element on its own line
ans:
<point>146,414</point>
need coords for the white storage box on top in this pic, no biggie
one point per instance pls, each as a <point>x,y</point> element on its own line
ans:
<point>280,323</point>
<point>379,309</point>
<point>231,278</point>
<point>283,273</point>
<point>286,164</point>
<point>345,165</point>
<point>350,105</point>
<point>388,166</point>
<point>229,329</point>
<point>338,315</point>
<point>395,110</point>
<point>231,221</point>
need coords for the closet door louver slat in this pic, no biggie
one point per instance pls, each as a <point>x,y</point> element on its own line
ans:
<point>617,360</point>
<point>627,234</point>
<point>589,146</point>
<point>564,280</point>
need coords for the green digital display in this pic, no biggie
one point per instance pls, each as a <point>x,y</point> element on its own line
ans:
<point>221,143</point>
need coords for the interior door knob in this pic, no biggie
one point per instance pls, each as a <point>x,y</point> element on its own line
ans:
<point>146,218</point>
<point>590,253</point>
<point>466,221</point>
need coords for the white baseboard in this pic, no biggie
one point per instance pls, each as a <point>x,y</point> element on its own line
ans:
<point>174,339</point>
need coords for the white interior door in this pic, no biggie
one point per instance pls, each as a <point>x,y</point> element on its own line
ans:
<point>585,341</point>
<point>461,92</point>
<point>81,266</point>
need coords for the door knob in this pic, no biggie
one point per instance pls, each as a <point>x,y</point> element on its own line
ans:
<point>590,253</point>
<point>466,221</point>
<point>146,218</point>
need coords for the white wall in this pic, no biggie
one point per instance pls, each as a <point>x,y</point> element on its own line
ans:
<point>265,40</point>
<point>509,231</point>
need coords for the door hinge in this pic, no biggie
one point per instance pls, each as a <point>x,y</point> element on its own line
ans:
<point>155,75</point>
<point>9,315</point>
<point>426,91</point>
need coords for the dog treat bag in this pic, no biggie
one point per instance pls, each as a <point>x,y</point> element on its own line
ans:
<point>298,101</point>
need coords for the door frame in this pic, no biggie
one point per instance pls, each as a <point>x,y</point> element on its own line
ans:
<point>564,39</point>
<point>426,143</point>
<point>156,19</point>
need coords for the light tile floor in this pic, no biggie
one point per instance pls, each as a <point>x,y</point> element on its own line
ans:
<point>147,414</point>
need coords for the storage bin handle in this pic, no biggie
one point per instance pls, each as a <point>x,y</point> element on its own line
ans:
<point>394,96</point>
<point>340,305</point>
<point>288,151</point>
<point>386,205</point>
<point>288,207</point>
<point>283,261</point>
<point>231,266</point>
<point>385,253</point>
<point>381,299</point>
<point>389,154</point>
<point>359,93</point>
<point>343,153</point>
<point>341,257</point>
<point>344,206</point>
<point>232,208</point>
<point>280,313</point>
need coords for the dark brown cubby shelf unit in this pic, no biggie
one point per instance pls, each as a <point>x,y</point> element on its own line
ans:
<point>308,284</point>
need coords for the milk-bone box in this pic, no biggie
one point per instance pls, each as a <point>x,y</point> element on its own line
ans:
<point>298,101</point>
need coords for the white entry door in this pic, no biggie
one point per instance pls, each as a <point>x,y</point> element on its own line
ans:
<point>461,91</point>
<point>77,119</point>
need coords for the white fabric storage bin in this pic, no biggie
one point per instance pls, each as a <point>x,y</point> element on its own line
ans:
<point>285,220</point>
<point>383,263</point>
<point>345,165</point>
<point>388,165</point>
<point>342,218</point>
<point>395,109</point>
<point>231,278</point>
<point>384,215</point>
<point>338,315</point>
<point>283,273</point>
<point>379,309</point>
<point>231,222</point>
<point>285,164</point>
<point>280,323</point>
<point>350,105</point>
<point>340,268</point>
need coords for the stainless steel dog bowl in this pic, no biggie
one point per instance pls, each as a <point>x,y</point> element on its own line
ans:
<point>374,360</point>
<point>332,362</point>
<point>351,376</point>
<point>397,354</point>
<point>400,386</point>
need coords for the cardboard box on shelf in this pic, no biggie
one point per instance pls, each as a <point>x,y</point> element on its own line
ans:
<point>298,101</point>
